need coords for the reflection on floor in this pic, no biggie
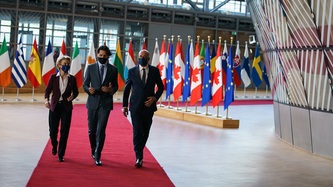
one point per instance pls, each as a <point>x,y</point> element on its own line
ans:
<point>191,154</point>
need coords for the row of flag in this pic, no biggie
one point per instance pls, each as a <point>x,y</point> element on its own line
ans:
<point>20,73</point>
<point>205,74</point>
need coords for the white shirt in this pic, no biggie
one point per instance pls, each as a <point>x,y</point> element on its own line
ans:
<point>62,84</point>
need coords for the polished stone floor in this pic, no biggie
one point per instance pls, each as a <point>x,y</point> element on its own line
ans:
<point>192,155</point>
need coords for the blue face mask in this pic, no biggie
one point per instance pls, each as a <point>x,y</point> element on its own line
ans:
<point>143,61</point>
<point>103,60</point>
<point>65,68</point>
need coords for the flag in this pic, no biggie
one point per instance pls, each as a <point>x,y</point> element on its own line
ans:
<point>161,64</point>
<point>202,54</point>
<point>229,88</point>
<point>91,59</point>
<point>178,72</point>
<point>264,75</point>
<point>4,64</point>
<point>34,70</point>
<point>19,70</point>
<point>144,44</point>
<point>169,80</point>
<point>156,55</point>
<point>130,62</point>
<point>245,72</point>
<point>118,62</point>
<point>237,67</point>
<point>196,83</point>
<point>187,72</point>
<point>76,69</point>
<point>48,66</point>
<point>206,86</point>
<point>224,63</point>
<point>217,92</point>
<point>62,51</point>
<point>256,69</point>
<point>213,60</point>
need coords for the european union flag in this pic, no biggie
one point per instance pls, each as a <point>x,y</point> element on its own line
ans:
<point>206,86</point>
<point>187,79</point>
<point>264,76</point>
<point>229,88</point>
<point>169,80</point>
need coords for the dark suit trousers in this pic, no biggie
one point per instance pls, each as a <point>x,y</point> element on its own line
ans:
<point>59,113</point>
<point>97,121</point>
<point>141,126</point>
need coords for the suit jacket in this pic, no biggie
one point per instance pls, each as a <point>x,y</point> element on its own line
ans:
<point>92,79</point>
<point>53,87</point>
<point>139,92</point>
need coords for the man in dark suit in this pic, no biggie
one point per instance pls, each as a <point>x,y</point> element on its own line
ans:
<point>100,83</point>
<point>141,83</point>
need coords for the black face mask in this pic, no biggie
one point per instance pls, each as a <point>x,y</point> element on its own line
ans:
<point>143,61</point>
<point>103,60</point>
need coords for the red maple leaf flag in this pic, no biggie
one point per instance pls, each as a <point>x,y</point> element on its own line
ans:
<point>177,72</point>
<point>217,91</point>
<point>161,64</point>
<point>196,83</point>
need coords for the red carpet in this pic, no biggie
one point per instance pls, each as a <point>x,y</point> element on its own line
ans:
<point>117,157</point>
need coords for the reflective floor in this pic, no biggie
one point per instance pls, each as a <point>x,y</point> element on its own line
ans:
<point>192,155</point>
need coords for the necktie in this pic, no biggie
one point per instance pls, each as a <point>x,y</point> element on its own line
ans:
<point>143,76</point>
<point>101,73</point>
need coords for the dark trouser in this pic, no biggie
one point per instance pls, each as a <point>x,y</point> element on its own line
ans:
<point>141,126</point>
<point>59,113</point>
<point>97,121</point>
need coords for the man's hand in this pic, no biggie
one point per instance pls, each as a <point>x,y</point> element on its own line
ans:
<point>150,101</point>
<point>125,111</point>
<point>107,88</point>
<point>91,90</point>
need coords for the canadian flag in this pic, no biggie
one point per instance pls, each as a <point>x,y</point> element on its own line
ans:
<point>217,92</point>
<point>196,82</point>
<point>178,72</point>
<point>161,64</point>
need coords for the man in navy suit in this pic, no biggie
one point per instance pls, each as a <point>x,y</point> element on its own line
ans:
<point>141,83</point>
<point>100,83</point>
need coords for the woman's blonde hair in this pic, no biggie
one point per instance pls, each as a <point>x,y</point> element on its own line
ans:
<point>62,58</point>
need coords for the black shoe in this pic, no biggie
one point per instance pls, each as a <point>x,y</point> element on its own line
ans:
<point>54,150</point>
<point>138,163</point>
<point>61,159</point>
<point>98,162</point>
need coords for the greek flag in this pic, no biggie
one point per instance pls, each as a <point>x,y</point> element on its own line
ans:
<point>19,69</point>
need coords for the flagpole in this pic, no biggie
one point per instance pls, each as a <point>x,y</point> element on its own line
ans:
<point>186,106</point>
<point>218,112</point>
<point>244,96</point>
<point>17,95</point>
<point>255,93</point>
<point>196,109</point>
<point>266,96</point>
<point>3,94</point>
<point>169,106</point>
<point>33,94</point>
